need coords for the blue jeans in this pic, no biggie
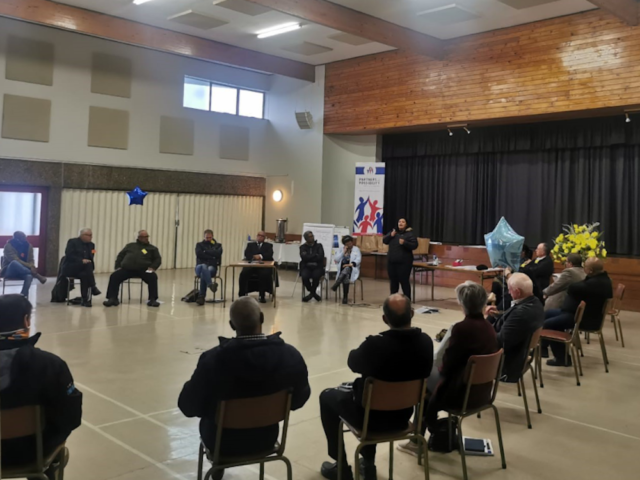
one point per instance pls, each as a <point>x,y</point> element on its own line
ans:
<point>17,271</point>
<point>206,273</point>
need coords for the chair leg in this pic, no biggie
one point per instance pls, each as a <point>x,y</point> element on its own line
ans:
<point>620,328</point>
<point>540,370</point>
<point>200,461</point>
<point>535,389</point>
<point>262,471</point>
<point>449,424</point>
<point>574,355</point>
<point>462,452</point>
<point>495,411</point>
<point>588,338</point>
<point>287,462</point>
<point>340,449</point>
<point>356,462</point>
<point>425,454</point>
<point>390,461</point>
<point>580,347</point>
<point>519,391</point>
<point>604,352</point>
<point>524,398</point>
<point>615,325</point>
<point>361,290</point>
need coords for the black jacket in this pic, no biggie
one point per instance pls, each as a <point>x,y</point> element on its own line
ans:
<point>401,253</point>
<point>240,368</point>
<point>312,254</point>
<point>30,376</point>
<point>208,253</point>
<point>514,328</point>
<point>540,273</point>
<point>138,257</point>
<point>266,250</point>
<point>392,356</point>
<point>75,253</point>
<point>594,291</point>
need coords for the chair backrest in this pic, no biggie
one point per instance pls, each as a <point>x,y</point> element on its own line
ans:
<point>606,309</point>
<point>482,370</point>
<point>578,320</point>
<point>390,396</point>
<point>23,422</point>
<point>533,344</point>
<point>618,296</point>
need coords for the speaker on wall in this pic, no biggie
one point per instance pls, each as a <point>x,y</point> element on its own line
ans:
<point>304,119</point>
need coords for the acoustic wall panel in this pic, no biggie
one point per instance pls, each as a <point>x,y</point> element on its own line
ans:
<point>26,118</point>
<point>230,217</point>
<point>29,61</point>
<point>115,223</point>
<point>111,75</point>
<point>177,135</point>
<point>234,142</point>
<point>108,128</point>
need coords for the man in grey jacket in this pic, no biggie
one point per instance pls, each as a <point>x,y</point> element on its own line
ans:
<point>572,273</point>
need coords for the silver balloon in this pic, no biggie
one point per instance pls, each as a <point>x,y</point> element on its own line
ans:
<point>504,246</point>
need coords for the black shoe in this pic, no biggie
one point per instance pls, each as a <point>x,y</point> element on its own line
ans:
<point>153,303</point>
<point>554,362</point>
<point>544,353</point>
<point>262,300</point>
<point>368,472</point>
<point>345,300</point>
<point>317,297</point>
<point>86,303</point>
<point>111,302</point>
<point>307,298</point>
<point>218,475</point>
<point>200,300</point>
<point>330,471</point>
<point>213,287</point>
<point>95,292</point>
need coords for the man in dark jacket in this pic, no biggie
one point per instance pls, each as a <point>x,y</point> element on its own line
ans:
<point>540,269</point>
<point>208,257</point>
<point>139,259</point>
<point>400,354</point>
<point>250,365</point>
<point>19,263</point>
<point>311,266</point>
<point>30,376</point>
<point>594,290</point>
<point>515,326</point>
<point>78,263</point>
<point>257,251</point>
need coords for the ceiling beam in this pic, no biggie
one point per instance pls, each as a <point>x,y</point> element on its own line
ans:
<point>625,10</point>
<point>357,23</point>
<point>87,22</point>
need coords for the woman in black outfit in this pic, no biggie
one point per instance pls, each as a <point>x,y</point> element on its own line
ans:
<point>402,242</point>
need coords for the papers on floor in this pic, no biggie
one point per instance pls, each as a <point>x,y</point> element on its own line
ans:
<point>426,309</point>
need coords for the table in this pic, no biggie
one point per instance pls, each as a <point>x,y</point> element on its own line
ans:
<point>429,267</point>
<point>376,255</point>
<point>244,264</point>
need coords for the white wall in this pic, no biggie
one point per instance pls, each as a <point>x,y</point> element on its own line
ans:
<point>278,146</point>
<point>340,155</point>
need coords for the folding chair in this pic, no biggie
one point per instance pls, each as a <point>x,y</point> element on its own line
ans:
<point>605,311</point>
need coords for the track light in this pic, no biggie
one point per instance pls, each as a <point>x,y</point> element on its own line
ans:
<point>467,130</point>
<point>628,118</point>
<point>450,132</point>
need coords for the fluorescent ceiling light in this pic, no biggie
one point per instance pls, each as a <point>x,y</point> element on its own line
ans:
<point>277,30</point>
<point>140,2</point>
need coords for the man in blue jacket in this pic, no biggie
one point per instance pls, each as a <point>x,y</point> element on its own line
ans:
<point>208,257</point>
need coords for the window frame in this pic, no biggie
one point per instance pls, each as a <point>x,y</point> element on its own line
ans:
<point>227,85</point>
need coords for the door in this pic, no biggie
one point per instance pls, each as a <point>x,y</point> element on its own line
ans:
<point>25,209</point>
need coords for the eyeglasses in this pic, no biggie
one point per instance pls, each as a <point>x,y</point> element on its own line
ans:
<point>144,236</point>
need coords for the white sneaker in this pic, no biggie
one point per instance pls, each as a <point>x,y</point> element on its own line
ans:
<point>409,447</point>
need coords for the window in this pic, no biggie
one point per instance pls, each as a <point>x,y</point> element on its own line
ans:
<point>205,95</point>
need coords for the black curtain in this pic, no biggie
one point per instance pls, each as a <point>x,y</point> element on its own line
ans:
<point>454,189</point>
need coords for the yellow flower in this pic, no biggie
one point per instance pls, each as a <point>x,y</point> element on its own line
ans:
<point>591,254</point>
<point>560,238</point>
<point>575,250</point>
<point>575,226</point>
<point>592,243</point>
<point>594,234</point>
<point>556,249</point>
<point>604,253</point>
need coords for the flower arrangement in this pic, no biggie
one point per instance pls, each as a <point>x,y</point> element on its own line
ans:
<point>585,240</point>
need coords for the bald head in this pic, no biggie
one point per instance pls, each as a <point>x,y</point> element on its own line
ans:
<point>397,311</point>
<point>593,266</point>
<point>143,236</point>
<point>520,286</point>
<point>246,316</point>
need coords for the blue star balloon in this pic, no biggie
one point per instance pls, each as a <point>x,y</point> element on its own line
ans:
<point>136,196</point>
<point>504,246</point>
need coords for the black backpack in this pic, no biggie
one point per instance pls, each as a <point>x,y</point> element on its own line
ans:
<point>439,439</point>
<point>191,296</point>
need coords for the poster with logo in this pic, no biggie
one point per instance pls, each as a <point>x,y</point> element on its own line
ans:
<point>369,199</point>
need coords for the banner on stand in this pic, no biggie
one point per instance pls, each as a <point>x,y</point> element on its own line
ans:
<point>369,199</point>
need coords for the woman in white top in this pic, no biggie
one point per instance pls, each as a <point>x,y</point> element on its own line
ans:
<point>348,260</point>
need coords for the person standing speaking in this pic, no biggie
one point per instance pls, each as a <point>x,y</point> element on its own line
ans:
<point>402,242</point>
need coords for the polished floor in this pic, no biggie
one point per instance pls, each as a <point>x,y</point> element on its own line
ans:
<point>131,362</point>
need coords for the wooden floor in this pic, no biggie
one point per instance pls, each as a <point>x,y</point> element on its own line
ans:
<point>131,362</point>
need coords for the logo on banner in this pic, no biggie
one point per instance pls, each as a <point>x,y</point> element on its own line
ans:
<point>371,171</point>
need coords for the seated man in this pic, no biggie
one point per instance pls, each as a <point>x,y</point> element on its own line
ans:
<point>311,266</point>
<point>572,273</point>
<point>400,354</point>
<point>594,290</point>
<point>139,259</point>
<point>78,263</point>
<point>471,336</point>
<point>250,365</point>
<point>30,376</point>
<point>208,257</point>
<point>540,269</point>
<point>515,326</point>
<point>18,263</point>
<point>256,252</point>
